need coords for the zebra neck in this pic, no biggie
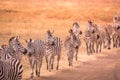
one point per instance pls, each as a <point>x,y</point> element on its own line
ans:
<point>10,49</point>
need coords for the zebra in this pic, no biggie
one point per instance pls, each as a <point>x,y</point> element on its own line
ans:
<point>97,35</point>
<point>116,35</point>
<point>53,48</point>
<point>71,43</point>
<point>77,32</point>
<point>104,37</point>
<point>35,52</point>
<point>11,69</point>
<point>14,48</point>
<point>90,37</point>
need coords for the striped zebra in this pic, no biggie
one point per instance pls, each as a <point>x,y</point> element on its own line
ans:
<point>71,44</point>
<point>14,48</point>
<point>11,69</point>
<point>104,37</point>
<point>99,35</point>
<point>116,35</point>
<point>77,32</point>
<point>35,52</point>
<point>90,37</point>
<point>53,48</point>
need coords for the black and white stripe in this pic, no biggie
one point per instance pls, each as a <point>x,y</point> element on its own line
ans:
<point>53,48</point>
<point>35,52</point>
<point>14,49</point>
<point>11,69</point>
<point>71,45</point>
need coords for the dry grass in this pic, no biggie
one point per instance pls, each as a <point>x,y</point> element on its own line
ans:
<point>31,18</point>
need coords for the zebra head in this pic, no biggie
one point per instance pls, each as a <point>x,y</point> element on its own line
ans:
<point>30,47</point>
<point>90,22</point>
<point>116,18</point>
<point>16,45</point>
<point>73,39</point>
<point>90,25</point>
<point>49,38</point>
<point>93,29</point>
<point>75,24</point>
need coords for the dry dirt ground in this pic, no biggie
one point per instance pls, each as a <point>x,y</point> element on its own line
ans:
<point>102,66</point>
<point>32,18</point>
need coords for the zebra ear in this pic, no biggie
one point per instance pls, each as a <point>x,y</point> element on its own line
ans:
<point>80,32</point>
<point>30,40</point>
<point>18,37</point>
<point>52,32</point>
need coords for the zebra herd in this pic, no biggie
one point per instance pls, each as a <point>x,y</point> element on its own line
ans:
<point>95,36</point>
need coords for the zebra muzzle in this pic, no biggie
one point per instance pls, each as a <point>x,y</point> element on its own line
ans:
<point>25,51</point>
<point>80,32</point>
<point>29,54</point>
<point>118,27</point>
<point>98,36</point>
<point>76,47</point>
<point>53,44</point>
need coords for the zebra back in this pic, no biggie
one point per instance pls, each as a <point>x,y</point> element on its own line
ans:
<point>56,48</point>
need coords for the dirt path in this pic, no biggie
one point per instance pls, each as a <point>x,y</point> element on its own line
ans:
<point>106,66</point>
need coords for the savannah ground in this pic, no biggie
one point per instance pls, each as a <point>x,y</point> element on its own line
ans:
<point>32,18</point>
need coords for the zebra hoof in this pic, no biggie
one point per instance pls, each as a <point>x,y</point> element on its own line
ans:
<point>49,70</point>
<point>38,75</point>
<point>31,77</point>
<point>70,64</point>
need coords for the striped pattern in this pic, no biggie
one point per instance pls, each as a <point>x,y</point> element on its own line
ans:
<point>14,49</point>
<point>35,52</point>
<point>11,69</point>
<point>71,44</point>
<point>53,48</point>
<point>78,33</point>
<point>116,35</point>
<point>90,37</point>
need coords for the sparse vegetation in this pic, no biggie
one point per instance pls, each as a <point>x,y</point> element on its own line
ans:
<point>32,18</point>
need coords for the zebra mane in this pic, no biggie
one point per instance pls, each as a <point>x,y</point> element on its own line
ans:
<point>11,39</point>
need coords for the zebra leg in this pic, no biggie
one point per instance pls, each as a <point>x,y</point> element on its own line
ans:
<point>70,58</point>
<point>36,68</point>
<point>100,46</point>
<point>76,55</point>
<point>87,48</point>
<point>113,41</point>
<point>97,45</point>
<point>58,59</point>
<point>32,63</point>
<point>39,67</point>
<point>46,57</point>
<point>52,62</point>
<point>90,48</point>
